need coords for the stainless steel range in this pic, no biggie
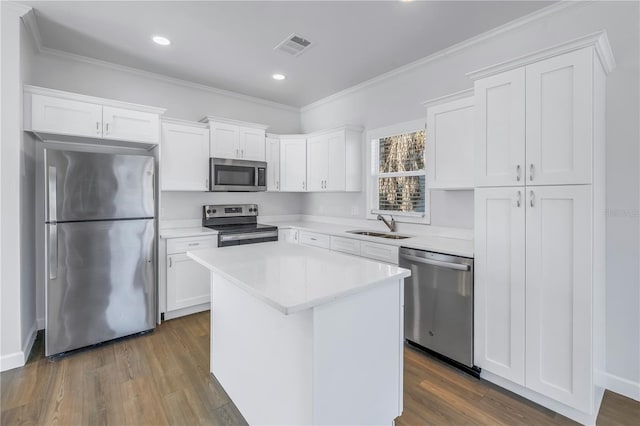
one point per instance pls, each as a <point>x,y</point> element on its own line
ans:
<point>237,224</point>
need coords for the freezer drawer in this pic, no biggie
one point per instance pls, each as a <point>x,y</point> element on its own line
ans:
<point>100,282</point>
<point>439,303</point>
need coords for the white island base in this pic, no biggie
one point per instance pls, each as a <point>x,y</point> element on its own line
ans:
<point>335,364</point>
<point>304,336</point>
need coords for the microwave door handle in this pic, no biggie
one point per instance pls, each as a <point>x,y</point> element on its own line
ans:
<point>449,265</point>
<point>257,176</point>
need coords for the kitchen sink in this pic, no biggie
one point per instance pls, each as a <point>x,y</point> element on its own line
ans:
<point>380,235</point>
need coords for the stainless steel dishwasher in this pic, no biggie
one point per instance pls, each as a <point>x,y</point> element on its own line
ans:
<point>438,305</point>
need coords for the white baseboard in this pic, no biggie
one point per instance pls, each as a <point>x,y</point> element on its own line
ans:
<point>625,387</point>
<point>572,413</point>
<point>186,311</point>
<point>19,359</point>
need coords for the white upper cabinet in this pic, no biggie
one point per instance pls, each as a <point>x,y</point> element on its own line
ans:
<point>225,140</point>
<point>334,161</point>
<point>273,163</point>
<point>450,141</point>
<point>317,163</point>
<point>293,165</point>
<point>252,144</point>
<point>499,307</point>
<point>559,106</point>
<point>500,115</point>
<point>54,112</point>
<point>184,162</point>
<point>57,115</point>
<point>535,123</point>
<point>128,125</point>
<point>559,293</point>
<point>236,139</point>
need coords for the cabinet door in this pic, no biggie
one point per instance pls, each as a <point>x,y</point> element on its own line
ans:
<point>317,163</point>
<point>335,178</point>
<point>273,164</point>
<point>450,144</point>
<point>500,124</point>
<point>293,165</point>
<point>64,116</point>
<point>500,282</point>
<point>185,158</point>
<point>558,299</point>
<point>225,140</point>
<point>188,282</point>
<point>128,125</point>
<point>559,119</point>
<point>288,235</point>
<point>252,144</point>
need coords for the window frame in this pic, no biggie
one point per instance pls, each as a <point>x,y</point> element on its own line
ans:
<point>372,179</point>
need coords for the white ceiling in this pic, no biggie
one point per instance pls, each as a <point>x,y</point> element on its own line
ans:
<point>229,45</point>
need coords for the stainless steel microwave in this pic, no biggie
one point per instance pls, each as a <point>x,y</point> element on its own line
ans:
<point>230,175</point>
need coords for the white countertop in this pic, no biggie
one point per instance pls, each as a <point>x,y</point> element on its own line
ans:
<point>437,243</point>
<point>292,278</point>
<point>195,231</point>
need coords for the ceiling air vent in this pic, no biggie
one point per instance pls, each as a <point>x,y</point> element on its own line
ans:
<point>293,45</point>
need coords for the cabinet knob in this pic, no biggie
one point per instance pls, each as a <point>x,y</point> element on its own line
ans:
<point>519,200</point>
<point>531,196</point>
<point>97,127</point>
<point>518,174</point>
<point>531,171</point>
<point>107,128</point>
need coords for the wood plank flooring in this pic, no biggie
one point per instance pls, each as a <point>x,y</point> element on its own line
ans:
<point>163,378</point>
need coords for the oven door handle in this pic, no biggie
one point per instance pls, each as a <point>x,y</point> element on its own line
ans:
<point>247,236</point>
<point>449,265</point>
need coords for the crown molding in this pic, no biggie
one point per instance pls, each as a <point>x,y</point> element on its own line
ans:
<point>449,98</point>
<point>599,41</point>
<point>172,80</point>
<point>170,120</point>
<point>516,23</point>
<point>31,23</point>
<point>18,8</point>
<point>213,119</point>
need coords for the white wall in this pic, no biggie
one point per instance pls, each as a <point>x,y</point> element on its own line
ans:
<point>398,99</point>
<point>17,249</point>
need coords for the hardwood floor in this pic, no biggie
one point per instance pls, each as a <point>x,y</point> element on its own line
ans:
<point>163,378</point>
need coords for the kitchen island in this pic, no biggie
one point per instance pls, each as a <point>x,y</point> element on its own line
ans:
<point>302,335</point>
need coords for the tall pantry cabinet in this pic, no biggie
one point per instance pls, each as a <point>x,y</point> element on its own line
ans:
<point>539,225</point>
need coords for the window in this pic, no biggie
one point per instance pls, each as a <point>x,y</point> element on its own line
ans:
<point>397,181</point>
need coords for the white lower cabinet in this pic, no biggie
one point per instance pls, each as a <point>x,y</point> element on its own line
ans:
<point>187,282</point>
<point>187,285</point>
<point>346,245</point>
<point>383,252</point>
<point>314,239</point>
<point>288,235</point>
<point>533,289</point>
<point>559,294</point>
<point>499,281</point>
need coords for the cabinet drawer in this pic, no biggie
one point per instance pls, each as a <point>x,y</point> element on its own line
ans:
<point>315,240</point>
<point>345,245</point>
<point>382,252</point>
<point>181,245</point>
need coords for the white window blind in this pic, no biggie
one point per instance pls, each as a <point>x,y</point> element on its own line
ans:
<point>398,170</point>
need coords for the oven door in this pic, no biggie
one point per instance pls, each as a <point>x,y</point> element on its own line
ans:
<point>237,175</point>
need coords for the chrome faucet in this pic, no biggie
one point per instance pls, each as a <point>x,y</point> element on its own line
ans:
<point>391,226</point>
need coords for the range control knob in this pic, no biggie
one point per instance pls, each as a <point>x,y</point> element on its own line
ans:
<point>208,211</point>
<point>214,210</point>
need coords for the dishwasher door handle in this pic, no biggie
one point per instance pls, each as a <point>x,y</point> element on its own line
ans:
<point>449,265</point>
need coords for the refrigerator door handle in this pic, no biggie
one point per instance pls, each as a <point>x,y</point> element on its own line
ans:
<point>52,200</point>
<point>53,251</point>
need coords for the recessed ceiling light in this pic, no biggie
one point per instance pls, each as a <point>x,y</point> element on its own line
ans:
<point>162,41</point>
<point>279,76</point>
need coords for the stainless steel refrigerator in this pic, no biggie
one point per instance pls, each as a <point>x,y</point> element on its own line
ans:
<point>99,247</point>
